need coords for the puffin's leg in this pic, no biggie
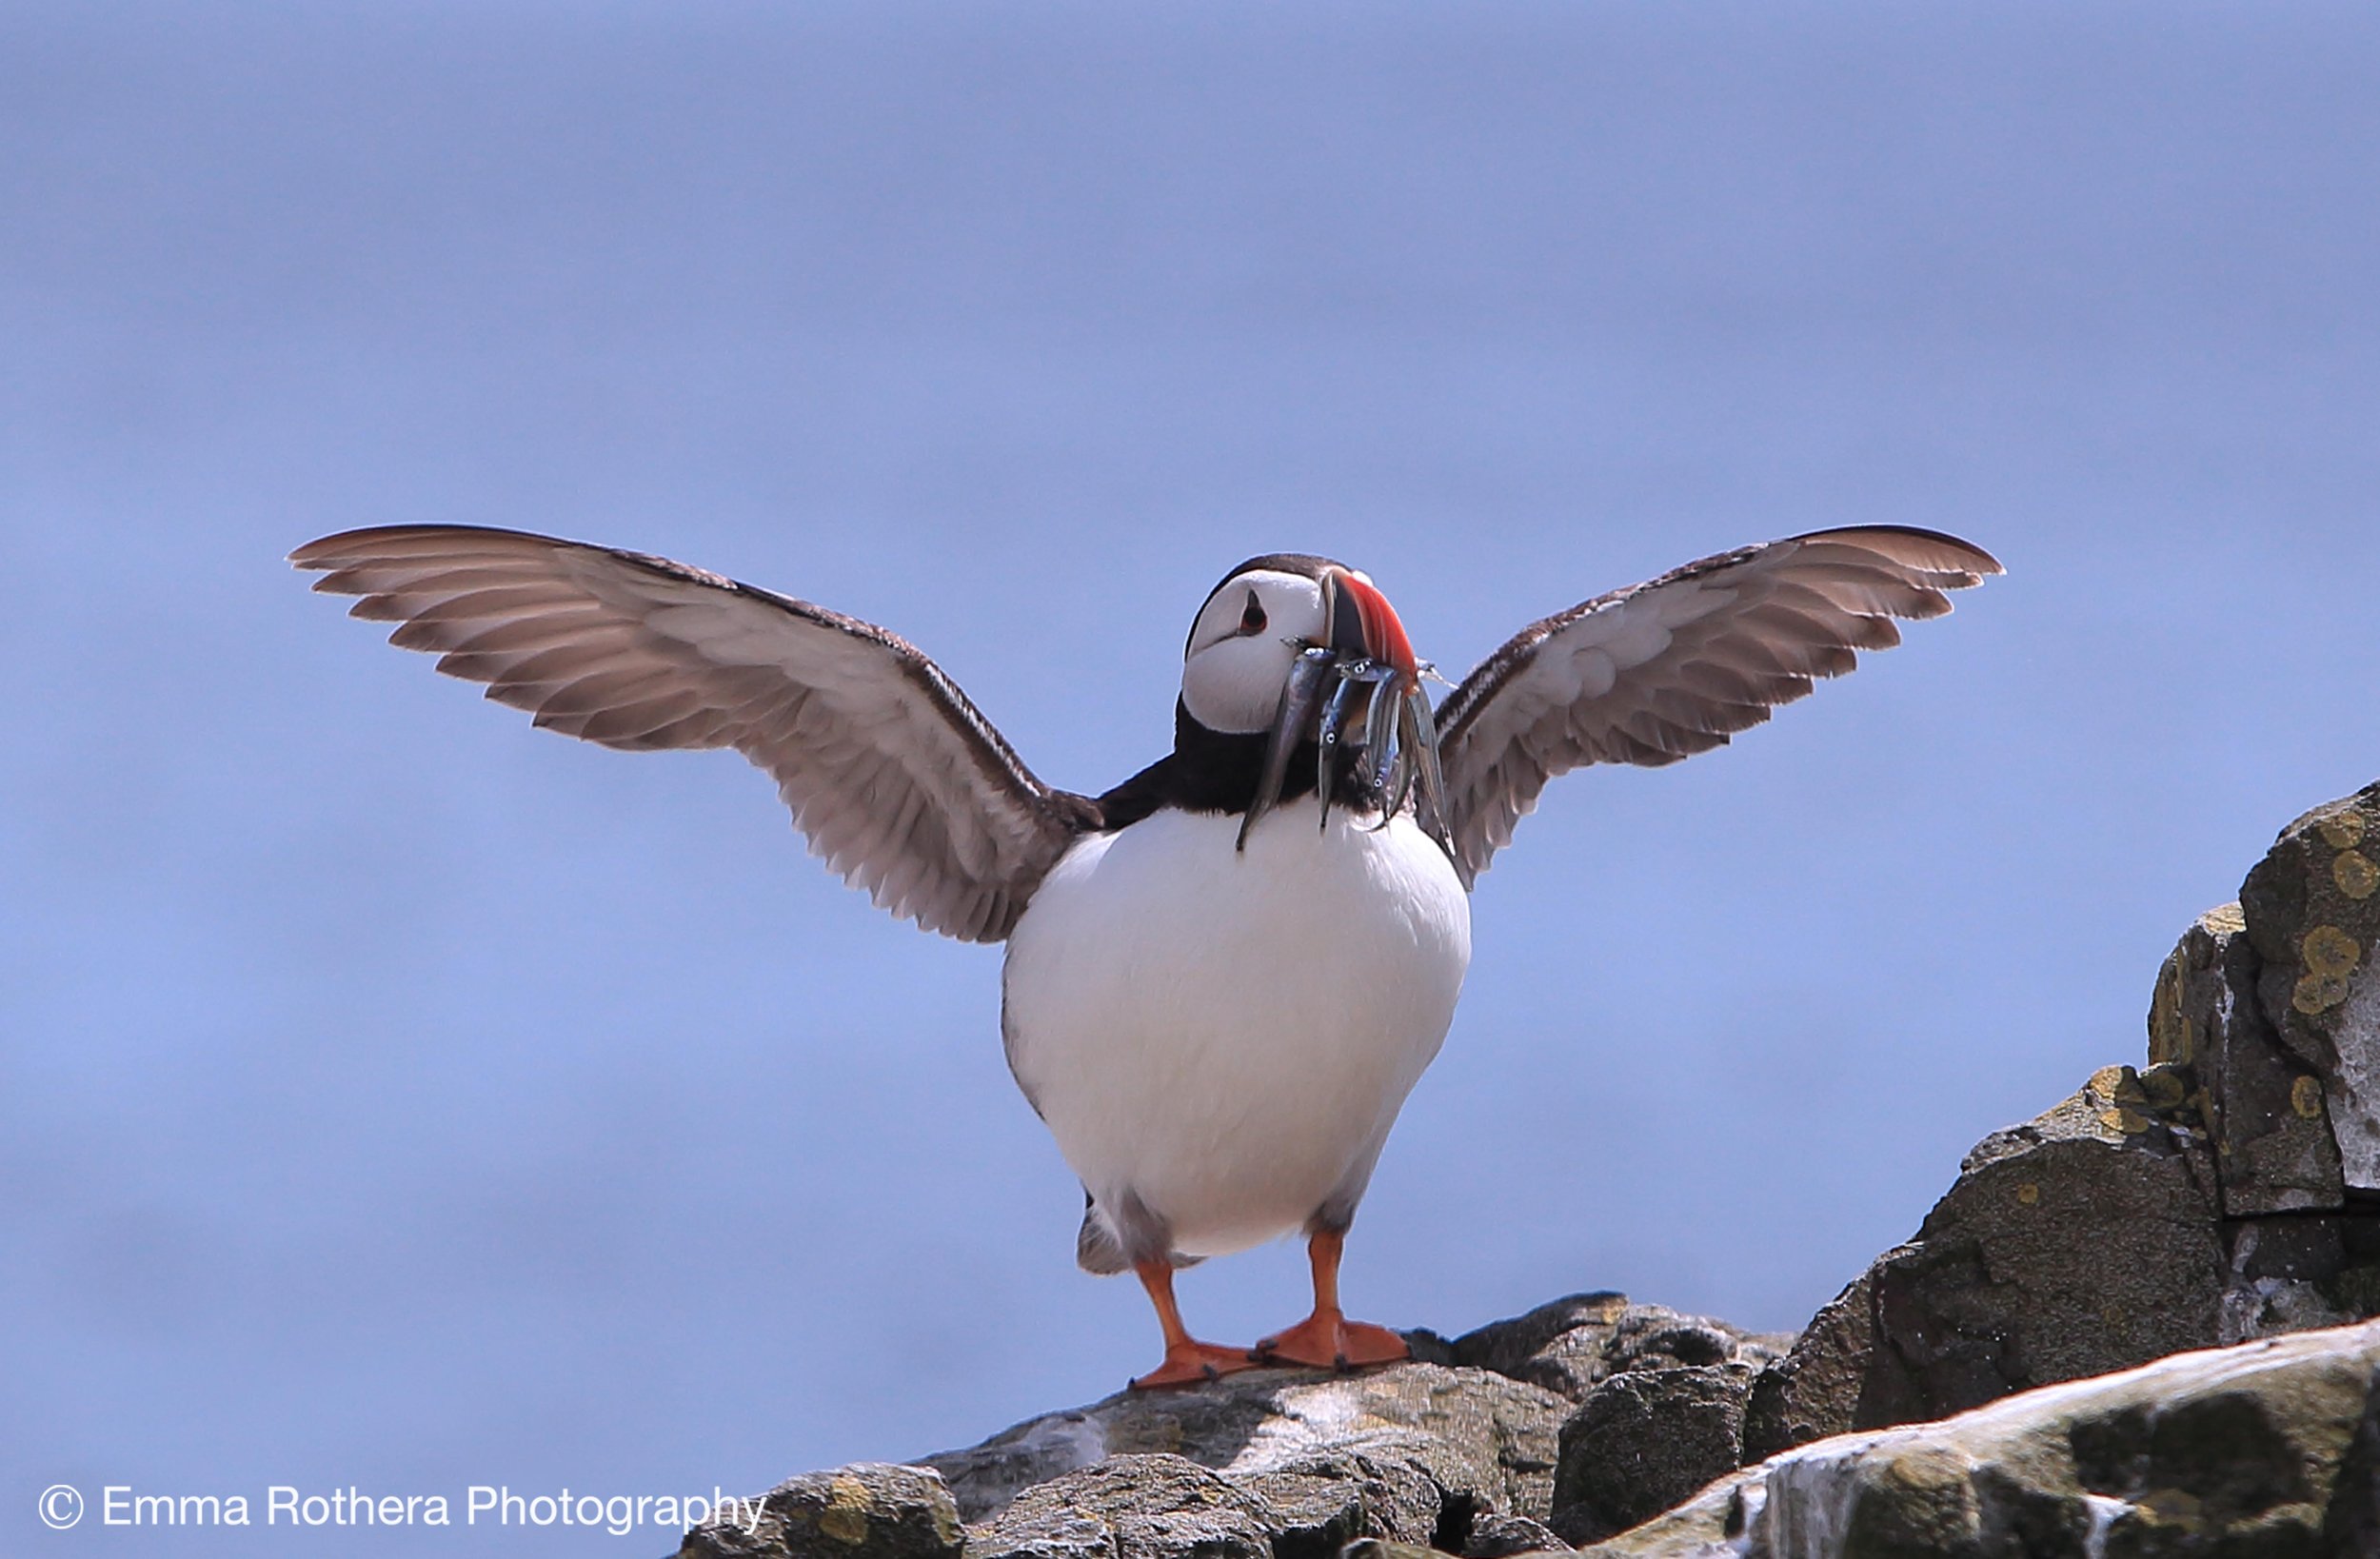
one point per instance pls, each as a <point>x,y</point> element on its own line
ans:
<point>1326,1339</point>
<point>1187,1360</point>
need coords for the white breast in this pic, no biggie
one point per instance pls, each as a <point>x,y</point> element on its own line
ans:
<point>1228,1036</point>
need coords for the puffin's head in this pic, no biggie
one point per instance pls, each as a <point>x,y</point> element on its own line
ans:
<point>1303,650</point>
<point>1266,613</point>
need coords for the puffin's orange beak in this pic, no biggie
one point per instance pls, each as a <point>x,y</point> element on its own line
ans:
<point>1363,623</point>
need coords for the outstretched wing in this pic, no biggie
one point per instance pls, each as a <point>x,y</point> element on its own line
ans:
<point>1672,668</point>
<point>898,782</point>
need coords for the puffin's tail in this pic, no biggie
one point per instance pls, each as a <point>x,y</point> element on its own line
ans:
<point>1101,1253</point>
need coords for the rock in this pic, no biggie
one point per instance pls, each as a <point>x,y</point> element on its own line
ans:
<point>1814,1391</point>
<point>2266,1447</point>
<point>2312,914</point>
<point>2262,1102</point>
<point>1320,1502</point>
<point>1140,1507</point>
<point>1644,1440</point>
<point>1415,1452</point>
<point>2083,1241</point>
<point>1498,1536</point>
<point>866,1511</point>
<point>2271,1007</point>
<point>2227,1192</point>
<point>1572,1345</point>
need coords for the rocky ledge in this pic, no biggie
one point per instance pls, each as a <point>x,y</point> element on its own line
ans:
<point>2133,1326</point>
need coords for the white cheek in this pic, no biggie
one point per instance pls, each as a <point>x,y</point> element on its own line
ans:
<point>1237,685</point>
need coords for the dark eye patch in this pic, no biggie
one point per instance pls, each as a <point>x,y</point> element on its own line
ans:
<point>1252,620</point>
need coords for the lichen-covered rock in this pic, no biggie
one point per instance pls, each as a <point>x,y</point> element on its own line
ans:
<point>1644,1440</point>
<point>2312,914</point>
<point>2262,1102</point>
<point>870,1510</point>
<point>2271,1008</point>
<point>2268,1447</point>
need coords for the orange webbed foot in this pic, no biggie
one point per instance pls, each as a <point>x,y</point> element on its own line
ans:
<point>1194,1363</point>
<point>1332,1342</point>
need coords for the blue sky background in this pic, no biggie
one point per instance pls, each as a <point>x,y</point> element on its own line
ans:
<point>392,1095</point>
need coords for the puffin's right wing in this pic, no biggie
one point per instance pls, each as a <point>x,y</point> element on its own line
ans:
<point>900,785</point>
<point>1674,667</point>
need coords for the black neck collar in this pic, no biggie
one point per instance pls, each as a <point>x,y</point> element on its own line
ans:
<point>1216,771</point>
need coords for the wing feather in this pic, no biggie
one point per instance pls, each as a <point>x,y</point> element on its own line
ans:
<point>900,785</point>
<point>1675,666</point>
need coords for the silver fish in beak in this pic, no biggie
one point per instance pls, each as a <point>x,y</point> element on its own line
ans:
<point>1298,698</point>
<point>1366,663</point>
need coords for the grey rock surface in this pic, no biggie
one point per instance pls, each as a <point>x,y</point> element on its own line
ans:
<point>1133,1507</point>
<point>1814,1391</point>
<point>2265,1448</point>
<point>1644,1440</point>
<point>1474,1439</point>
<point>2083,1241</point>
<point>1573,1344</point>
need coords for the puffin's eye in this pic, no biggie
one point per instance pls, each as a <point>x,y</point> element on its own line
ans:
<point>1252,620</point>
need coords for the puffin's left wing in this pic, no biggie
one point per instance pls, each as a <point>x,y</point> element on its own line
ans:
<point>899,782</point>
<point>1671,667</point>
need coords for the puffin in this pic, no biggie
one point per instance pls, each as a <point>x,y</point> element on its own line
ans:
<point>1223,976</point>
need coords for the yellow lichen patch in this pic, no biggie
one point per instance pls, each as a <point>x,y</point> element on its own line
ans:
<point>2165,1086</point>
<point>2355,873</point>
<point>2029,1193</point>
<point>2108,1081</point>
<point>2306,1098</point>
<point>2130,1122</point>
<point>2318,994</point>
<point>2327,950</point>
<point>845,1516</point>
<point>2170,1039</point>
<point>2223,919</point>
<point>2343,830</point>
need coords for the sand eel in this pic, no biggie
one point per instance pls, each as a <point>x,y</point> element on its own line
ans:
<point>1224,975</point>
